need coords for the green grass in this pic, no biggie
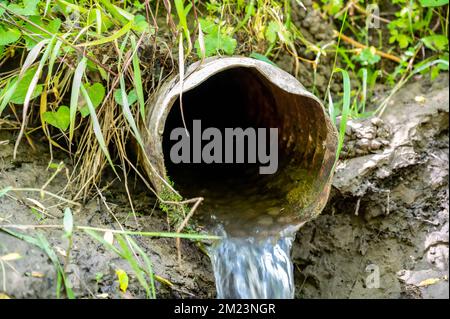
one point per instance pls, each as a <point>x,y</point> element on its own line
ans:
<point>64,38</point>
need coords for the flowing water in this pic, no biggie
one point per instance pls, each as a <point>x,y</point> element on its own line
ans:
<point>258,227</point>
<point>254,268</point>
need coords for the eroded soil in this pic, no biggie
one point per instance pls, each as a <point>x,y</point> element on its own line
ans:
<point>91,267</point>
<point>387,217</point>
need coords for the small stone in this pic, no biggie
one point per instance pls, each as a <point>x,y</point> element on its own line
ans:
<point>360,152</point>
<point>284,219</point>
<point>369,135</point>
<point>343,154</point>
<point>420,99</point>
<point>376,121</point>
<point>273,211</point>
<point>355,126</point>
<point>368,132</point>
<point>265,220</point>
<point>363,144</point>
<point>375,145</point>
<point>348,130</point>
<point>383,132</point>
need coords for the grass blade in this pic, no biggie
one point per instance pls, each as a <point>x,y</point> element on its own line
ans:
<point>110,38</point>
<point>181,71</point>
<point>331,108</point>
<point>179,6</point>
<point>100,239</point>
<point>53,57</point>
<point>148,264</point>
<point>31,57</point>
<point>47,5</point>
<point>75,92</point>
<point>113,10</point>
<point>98,18</point>
<point>138,79</point>
<point>129,256</point>
<point>45,246</point>
<point>29,94</point>
<point>96,126</point>
<point>127,113</point>
<point>364,90</point>
<point>41,242</point>
<point>345,109</point>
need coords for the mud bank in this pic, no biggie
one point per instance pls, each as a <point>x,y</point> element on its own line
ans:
<point>91,267</point>
<point>387,219</point>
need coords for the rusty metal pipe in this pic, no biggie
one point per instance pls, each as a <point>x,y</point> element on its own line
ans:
<point>265,96</point>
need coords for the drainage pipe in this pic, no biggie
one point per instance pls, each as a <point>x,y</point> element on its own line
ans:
<point>229,92</point>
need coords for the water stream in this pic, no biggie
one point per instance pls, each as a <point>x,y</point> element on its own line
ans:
<point>258,227</point>
<point>254,268</point>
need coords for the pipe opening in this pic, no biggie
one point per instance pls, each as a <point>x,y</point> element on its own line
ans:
<point>238,194</point>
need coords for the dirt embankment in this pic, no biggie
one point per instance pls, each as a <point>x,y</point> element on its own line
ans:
<point>387,219</point>
<point>91,267</point>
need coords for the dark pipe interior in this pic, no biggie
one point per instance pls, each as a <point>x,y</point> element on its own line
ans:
<point>241,97</point>
<point>229,99</point>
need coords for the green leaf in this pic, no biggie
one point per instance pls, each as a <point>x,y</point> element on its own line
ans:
<point>96,93</point>
<point>209,26</point>
<point>22,87</point>
<point>403,41</point>
<point>271,31</point>
<point>227,44</point>
<point>53,27</point>
<point>68,218</point>
<point>127,112</point>
<point>10,88</point>
<point>123,279</point>
<point>368,56</point>
<point>148,263</point>
<point>433,3</point>
<point>179,7</point>
<point>216,44</point>
<point>9,36</point>
<point>140,23</point>
<point>59,119</point>
<point>97,16</point>
<point>29,8</point>
<point>121,15</point>
<point>437,42</point>
<point>131,97</point>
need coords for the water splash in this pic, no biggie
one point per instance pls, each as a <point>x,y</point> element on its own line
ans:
<point>254,268</point>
